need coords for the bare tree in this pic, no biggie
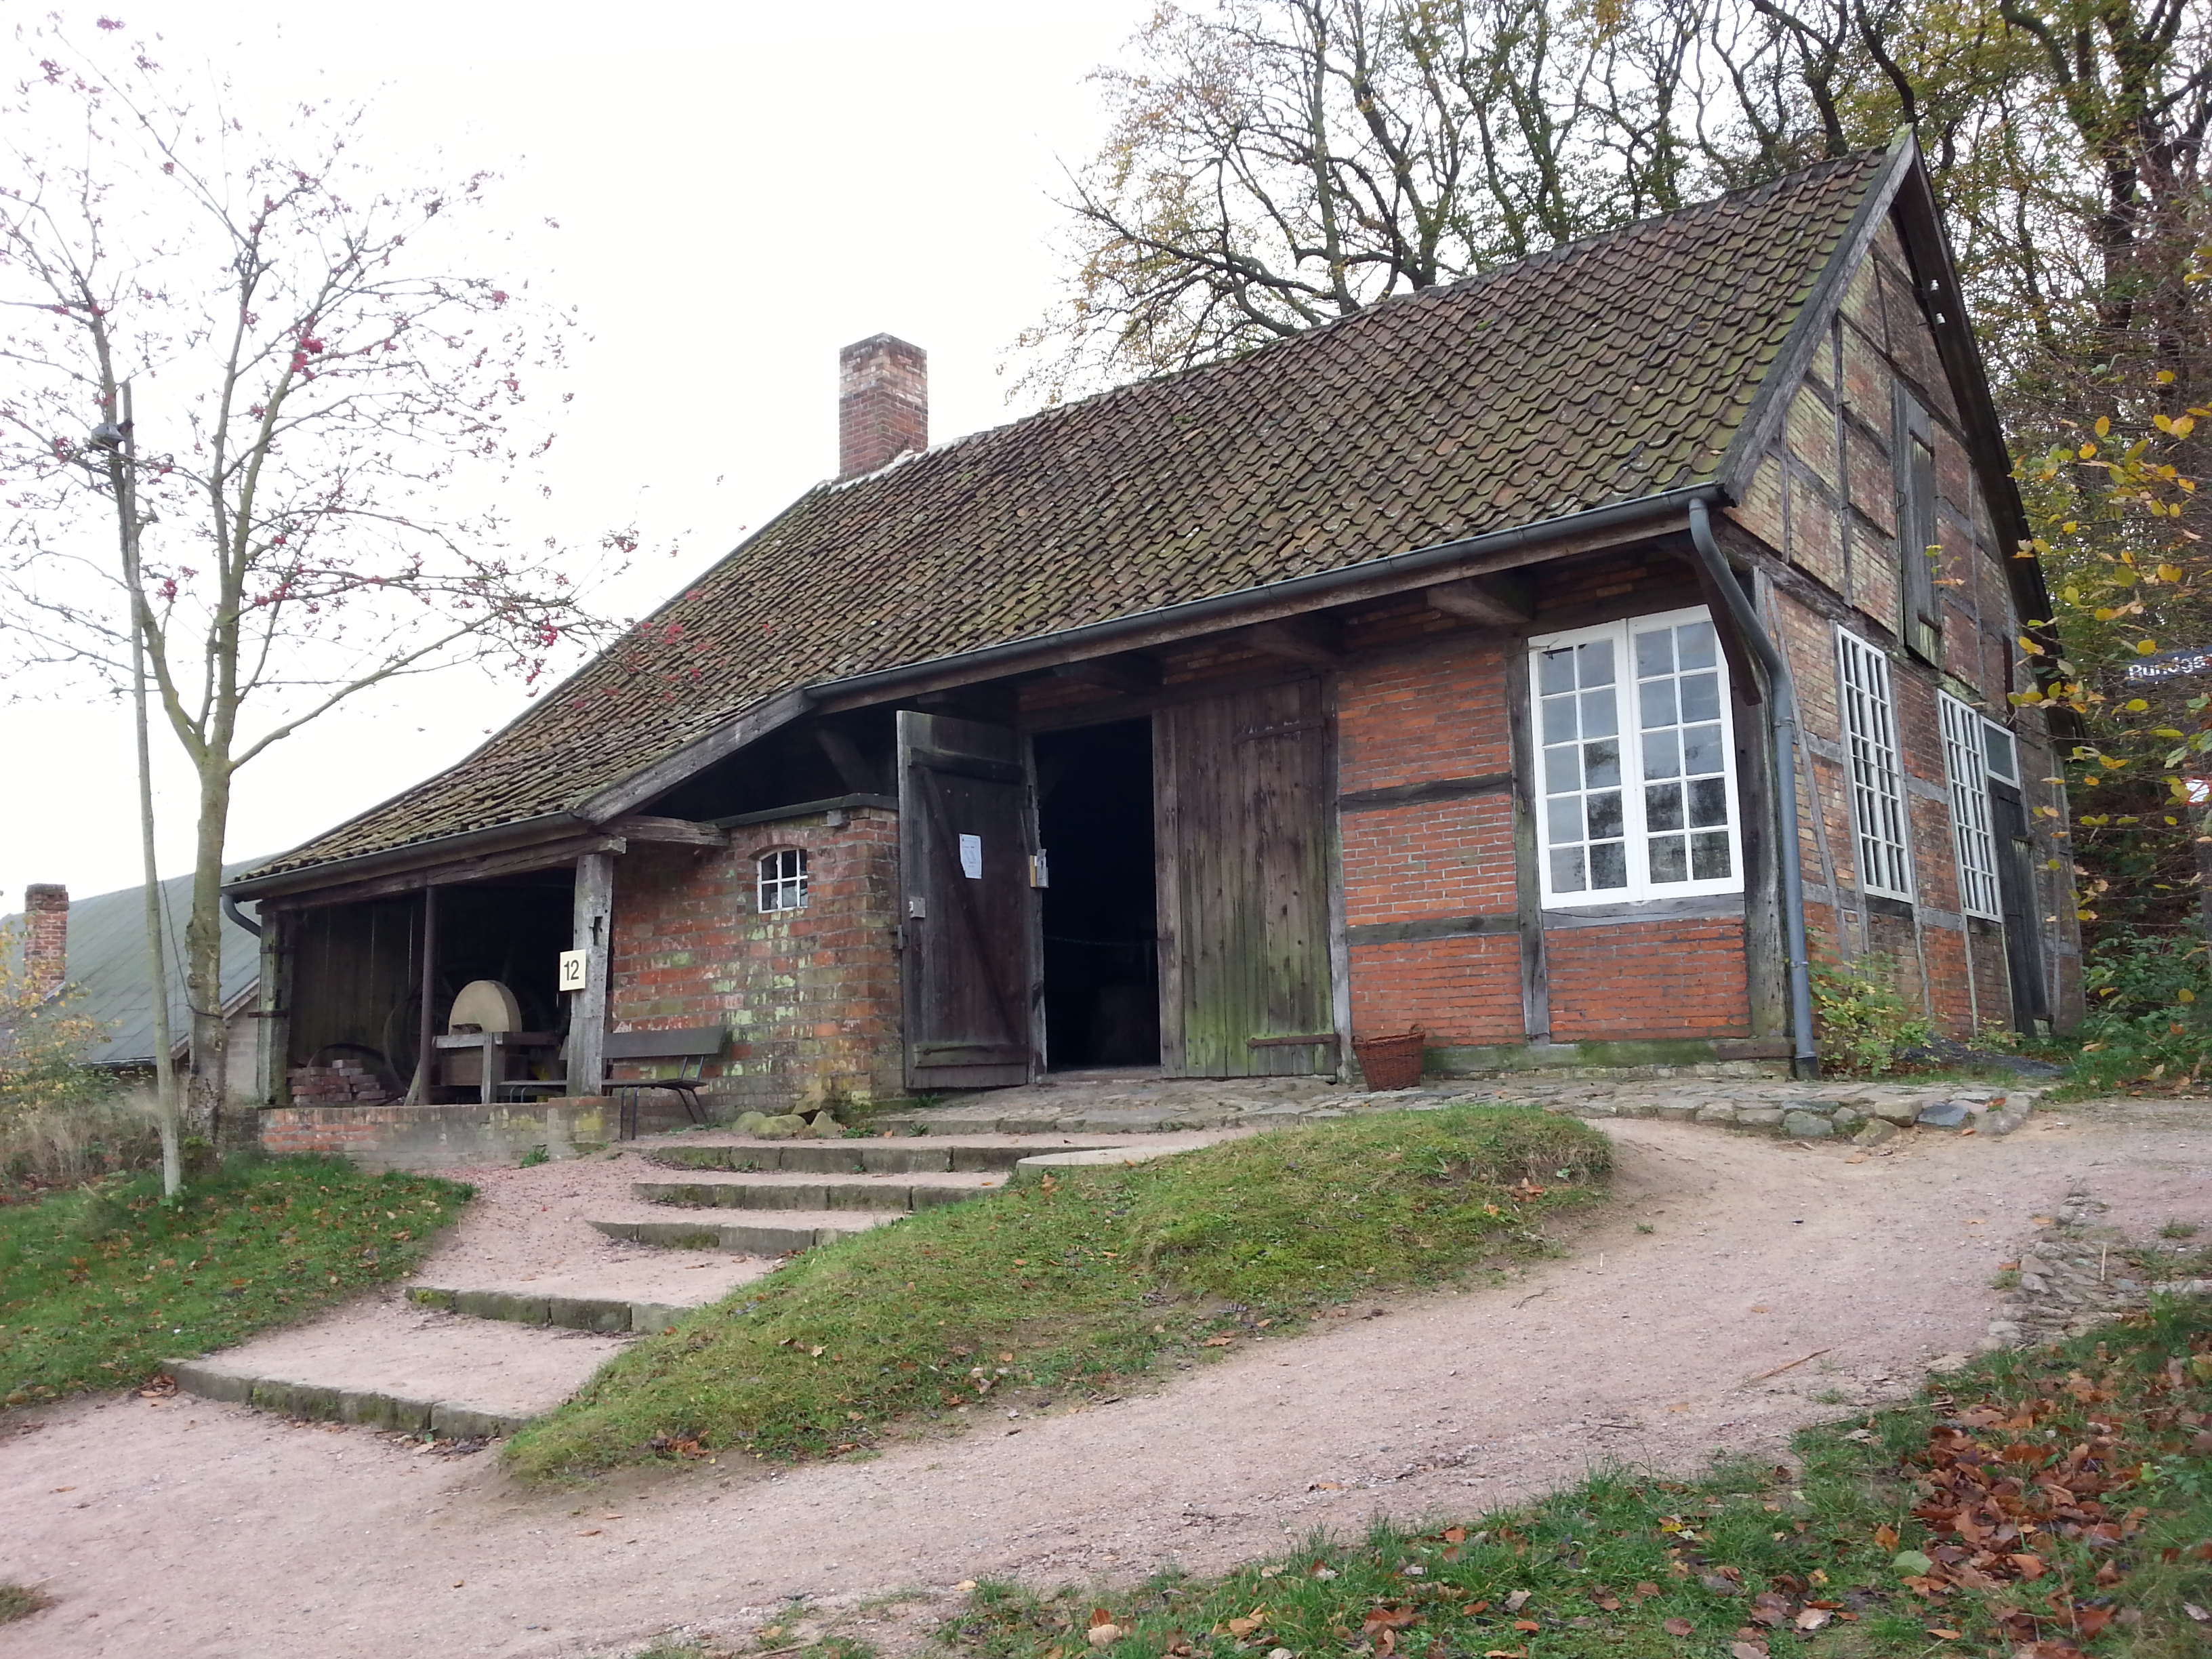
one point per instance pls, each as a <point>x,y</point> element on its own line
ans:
<point>1276,163</point>
<point>310,500</point>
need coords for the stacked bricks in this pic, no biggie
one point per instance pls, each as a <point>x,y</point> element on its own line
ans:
<point>882,403</point>
<point>810,997</point>
<point>45,943</point>
<point>341,1082</point>
<point>1648,980</point>
<point>1429,713</point>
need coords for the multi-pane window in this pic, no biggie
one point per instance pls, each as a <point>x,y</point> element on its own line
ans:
<point>1637,764</point>
<point>2000,754</point>
<point>783,880</point>
<point>1964,762</point>
<point>1877,780</point>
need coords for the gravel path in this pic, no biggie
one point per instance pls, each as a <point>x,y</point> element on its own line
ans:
<point>187,1528</point>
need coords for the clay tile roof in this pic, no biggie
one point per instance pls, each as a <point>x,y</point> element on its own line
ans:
<point>1609,369</point>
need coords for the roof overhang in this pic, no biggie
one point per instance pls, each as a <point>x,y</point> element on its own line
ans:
<point>1588,529</point>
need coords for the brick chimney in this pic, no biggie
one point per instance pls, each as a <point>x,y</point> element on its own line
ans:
<point>45,939</point>
<point>882,403</point>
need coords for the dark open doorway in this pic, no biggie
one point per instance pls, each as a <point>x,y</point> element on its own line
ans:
<point>1102,975</point>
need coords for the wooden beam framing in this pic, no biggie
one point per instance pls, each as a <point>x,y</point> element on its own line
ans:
<point>681,832</point>
<point>1317,642</point>
<point>587,1008</point>
<point>551,855</point>
<point>1501,601</point>
<point>1133,674</point>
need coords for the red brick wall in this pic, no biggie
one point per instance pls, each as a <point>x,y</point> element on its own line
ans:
<point>1460,992</point>
<point>1436,710</point>
<point>45,938</point>
<point>810,997</point>
<point>1645,979</point>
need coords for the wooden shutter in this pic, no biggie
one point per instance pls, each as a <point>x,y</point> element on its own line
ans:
<point>1913,457</point>
<point>1242,786</point>
<point>970,970</point>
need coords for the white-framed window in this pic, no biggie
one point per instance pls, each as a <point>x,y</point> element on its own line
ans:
<point>1968,770</point>
<point>783,880</point>
<point>1637,761</point>
<point>1999,753</point>
<point>1877,778</point>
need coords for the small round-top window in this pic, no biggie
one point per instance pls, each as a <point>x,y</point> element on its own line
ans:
<point>783,880</point>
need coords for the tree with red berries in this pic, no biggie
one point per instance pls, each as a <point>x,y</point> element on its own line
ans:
<point>255,441</point>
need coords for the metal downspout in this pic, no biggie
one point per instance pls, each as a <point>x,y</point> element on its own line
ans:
<point>1781,741</point>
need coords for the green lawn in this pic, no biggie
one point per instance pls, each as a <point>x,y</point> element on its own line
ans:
<point>1078,1287</point>
<point>99,1285</point>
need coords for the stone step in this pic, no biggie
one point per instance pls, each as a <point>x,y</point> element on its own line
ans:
<point>779,1232</point>
<point>386,1365</point>
<point>787,1191</point>
<point>641,1296</point>
<point>905,1156</point>
<point>1036,1167</point>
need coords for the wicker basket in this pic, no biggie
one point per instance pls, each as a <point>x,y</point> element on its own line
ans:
<point>1390,1062</point>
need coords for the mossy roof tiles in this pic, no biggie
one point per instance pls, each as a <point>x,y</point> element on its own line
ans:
<point>1610,369</point>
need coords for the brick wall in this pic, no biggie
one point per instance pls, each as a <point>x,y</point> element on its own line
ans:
<point>810,997</point>
<point>1462,992</point>
<point>882,403</point>
<point>1435,710</point>
<point>45,938</point>
<point>1640,981</point>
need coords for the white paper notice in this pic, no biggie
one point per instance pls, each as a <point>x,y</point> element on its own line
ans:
<point>971,857</point>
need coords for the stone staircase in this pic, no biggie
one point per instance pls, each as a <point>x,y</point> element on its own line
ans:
<point>476,1346</point>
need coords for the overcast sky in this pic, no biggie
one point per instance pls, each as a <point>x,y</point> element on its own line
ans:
<point>740,189</point>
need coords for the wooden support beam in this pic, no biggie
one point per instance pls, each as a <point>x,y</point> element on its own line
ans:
<point>426,1012</point>
<point>679,831</point>
<point>854,770</point>
<point>1492,601</point>
<point>545,856</point>
<point>587,1008</point>
<point>1132,674</point>
<point>1317,642</point>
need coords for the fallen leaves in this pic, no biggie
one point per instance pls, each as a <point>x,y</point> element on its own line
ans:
<point>1676,1626</point>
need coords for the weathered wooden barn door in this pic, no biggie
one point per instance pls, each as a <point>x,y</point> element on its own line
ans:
<point>1242,793</point>
<point>966,835</point>
<point>2016,896</point>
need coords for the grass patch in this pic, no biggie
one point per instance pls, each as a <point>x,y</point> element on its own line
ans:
<point>1021,1298</point>
<point>98,1287</point>
<point>20,1602</point>
<point>2049,1505</point>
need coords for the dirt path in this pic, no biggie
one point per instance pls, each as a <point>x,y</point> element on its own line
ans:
<point>189,1528</point>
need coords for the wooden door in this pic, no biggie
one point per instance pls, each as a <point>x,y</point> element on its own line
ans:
<point>1241,791</point>
<point>2016,898</point>
<point>973,988</point>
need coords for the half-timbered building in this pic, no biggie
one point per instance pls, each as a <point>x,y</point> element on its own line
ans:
<point>1553,663</point>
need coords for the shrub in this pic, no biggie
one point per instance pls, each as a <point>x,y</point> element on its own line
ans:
<point>2150,999</point>
<point>1865,1023</point>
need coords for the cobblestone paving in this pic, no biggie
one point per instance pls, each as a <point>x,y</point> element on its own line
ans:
<point>1867,1114</point>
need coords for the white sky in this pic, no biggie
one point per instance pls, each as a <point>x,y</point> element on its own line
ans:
<point>741,189</point>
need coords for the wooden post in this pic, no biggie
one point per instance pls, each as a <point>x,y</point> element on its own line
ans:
<point>426,1025</point>
<point>273,1053</point>
<point>1527,846</point>
<point>587,1008</point>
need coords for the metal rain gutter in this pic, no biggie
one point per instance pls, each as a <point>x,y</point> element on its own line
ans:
<point>1781,741</point>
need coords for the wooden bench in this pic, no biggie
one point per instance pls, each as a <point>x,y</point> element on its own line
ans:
<point>693,1046</point>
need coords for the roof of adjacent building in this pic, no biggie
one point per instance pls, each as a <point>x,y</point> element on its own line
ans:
<point>108,965</point>
<point>1605,371</point>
